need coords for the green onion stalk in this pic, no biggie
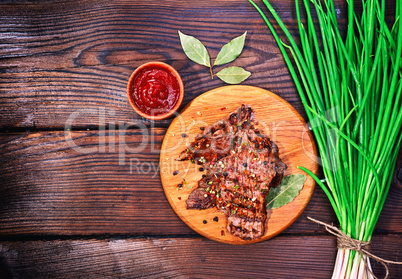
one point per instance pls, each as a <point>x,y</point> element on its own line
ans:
<point>350,86</point>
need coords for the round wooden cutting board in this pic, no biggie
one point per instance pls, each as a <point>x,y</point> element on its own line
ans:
<point>276,118</point>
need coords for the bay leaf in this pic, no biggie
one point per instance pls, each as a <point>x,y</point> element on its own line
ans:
<point>286,192</point>
<point>194,50</point>
<point>231,50</point>
<point>233,75</point>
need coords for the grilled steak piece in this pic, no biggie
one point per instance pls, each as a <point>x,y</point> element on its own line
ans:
<point>241,166</point>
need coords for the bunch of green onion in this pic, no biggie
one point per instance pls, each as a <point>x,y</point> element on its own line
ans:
<point>350,86</point>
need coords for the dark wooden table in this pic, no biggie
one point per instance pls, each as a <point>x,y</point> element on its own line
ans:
<point>82,201</point>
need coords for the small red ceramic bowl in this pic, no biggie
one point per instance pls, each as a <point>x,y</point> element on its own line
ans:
<point>155,90</point>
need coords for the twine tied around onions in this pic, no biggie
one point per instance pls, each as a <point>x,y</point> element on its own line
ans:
<point>346,242</point>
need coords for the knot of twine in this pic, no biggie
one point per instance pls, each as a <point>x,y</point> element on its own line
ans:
<point>346,242</point>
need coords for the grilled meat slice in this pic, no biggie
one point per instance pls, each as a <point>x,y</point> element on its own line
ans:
<point>241,165</point>
<point>217,140</point>
<point>201,198</point>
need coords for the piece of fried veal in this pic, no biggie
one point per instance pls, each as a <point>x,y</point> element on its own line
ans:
<point>241,166</point>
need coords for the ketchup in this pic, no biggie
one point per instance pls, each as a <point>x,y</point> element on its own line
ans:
<point>155,90</point>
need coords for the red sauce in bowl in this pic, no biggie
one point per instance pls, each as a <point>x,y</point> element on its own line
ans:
<point>155,89</point>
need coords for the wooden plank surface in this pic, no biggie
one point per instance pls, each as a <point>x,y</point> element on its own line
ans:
<point>54,63</point>
<point>77,200</point>
<point>51,187</point>
<point>307,256</point>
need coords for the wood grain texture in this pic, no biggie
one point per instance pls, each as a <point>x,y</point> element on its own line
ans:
<point>307,256</point>
<point>54,61</point>
<point>66,63</point>
<point>50,188</point>
<point>54,184</point>
<point>275,118</point>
